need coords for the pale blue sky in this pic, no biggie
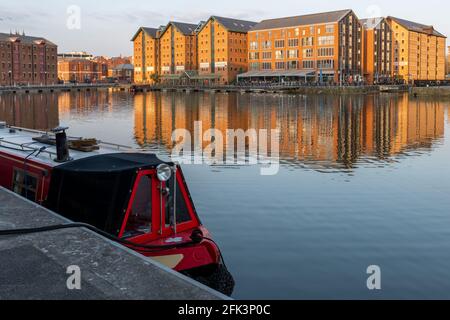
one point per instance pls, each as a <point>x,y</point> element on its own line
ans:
<point>108,25</point>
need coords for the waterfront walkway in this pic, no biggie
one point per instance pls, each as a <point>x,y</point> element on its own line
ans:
<point>61,87</point>
<point>35,266</point>
<point>269,88</point>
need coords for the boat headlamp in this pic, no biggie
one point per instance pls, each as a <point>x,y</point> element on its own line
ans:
<point>164,172</point>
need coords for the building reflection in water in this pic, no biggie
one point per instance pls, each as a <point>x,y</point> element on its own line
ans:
<point>82,104</point>
<point>35,111</point>
<point>316,131</point>
<point>320,132</point>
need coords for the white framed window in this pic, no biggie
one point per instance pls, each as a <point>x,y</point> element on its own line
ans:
<point>326,41</point>
<point>279,54</point>
<point>292,54</point>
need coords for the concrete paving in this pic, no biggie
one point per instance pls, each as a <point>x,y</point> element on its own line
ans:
<point>34,267</point>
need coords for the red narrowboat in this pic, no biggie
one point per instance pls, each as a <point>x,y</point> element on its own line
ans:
<point>134,197</point>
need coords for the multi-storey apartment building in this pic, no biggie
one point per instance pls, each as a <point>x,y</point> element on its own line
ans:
<point>178,50</point>
<point>223,49</point>
<point>377,50</point>
<point>146,55</point>
<point>322,47</point>
<point>418,51</point>
<point>27,60</point>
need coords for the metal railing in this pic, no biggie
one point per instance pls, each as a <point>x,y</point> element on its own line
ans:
<point>251,86</point>
<point>59,85</point>
<point>49,133</point>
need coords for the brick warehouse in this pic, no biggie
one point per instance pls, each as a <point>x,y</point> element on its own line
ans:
<point>178,50</point>
<point>331,47</point>
<point>26,60</point>
<point>419,51</point>
<point>223,49</point>
<point>146,55</point>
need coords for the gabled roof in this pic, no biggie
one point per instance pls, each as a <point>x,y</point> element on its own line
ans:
<point>186,29</point>
<point>417,27</point>
<point>126,66</point>
<point>309,19</point>
<point>233,25</point>
<point>24,39</point>
<point>152,32</point>
<point>371,23</point>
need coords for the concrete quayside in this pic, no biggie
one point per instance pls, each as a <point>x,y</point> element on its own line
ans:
<point>42,266</point>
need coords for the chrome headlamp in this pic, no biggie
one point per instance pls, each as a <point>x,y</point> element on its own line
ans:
<point>164,172</point>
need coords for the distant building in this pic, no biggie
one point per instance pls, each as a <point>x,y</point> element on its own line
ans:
<point>178,49</point>
<point>75,55</point>
<point>146,58</point>
<point>26,60</point>
<point>418,51</point>
<point>223,49</point>
<point>81,67</point>
<point>322,47</point>
<point>109,64</point>
<point>123,73</point>
<point>377,50</point>
<point>329,47</point>
<point>79,71</point>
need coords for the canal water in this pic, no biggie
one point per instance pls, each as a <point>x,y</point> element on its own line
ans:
<point>364,180</point>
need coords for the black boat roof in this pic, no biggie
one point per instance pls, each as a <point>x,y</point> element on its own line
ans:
<point>96,190</point>
<point>115,162</point>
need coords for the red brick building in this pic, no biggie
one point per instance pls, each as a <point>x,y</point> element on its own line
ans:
<point>112,63</point>
<point>26,60</point>
<point>79,70</point>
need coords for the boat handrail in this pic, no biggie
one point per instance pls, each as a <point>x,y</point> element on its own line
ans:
<point>111,144</point>
<point>26,147</point>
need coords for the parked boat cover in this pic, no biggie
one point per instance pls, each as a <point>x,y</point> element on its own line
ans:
<point>96,190</point>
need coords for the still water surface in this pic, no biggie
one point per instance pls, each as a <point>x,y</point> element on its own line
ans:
<point>365,180</point>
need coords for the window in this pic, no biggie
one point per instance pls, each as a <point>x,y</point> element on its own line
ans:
<point>25,184</point>
<point>267,55</point>
<point>308,64</point>
<point>325,64</point>
<point>329,28</point>
<point>254,55</point>
<point>253,45</point>
<point>279,43</point>
<point>292,65</point>
<point>292,54</point>
<point>254,66</point>
<point>280,65</point>
<point>308,41</point>
<point>293,42</point>
<point>266,44</point>
<point>326,40</point>
<point>183,214</point>
<point>267,66</point>
<point>140,216</point>
<point>307,53</point>
<point>279,54</point>
<point>325,52</point>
